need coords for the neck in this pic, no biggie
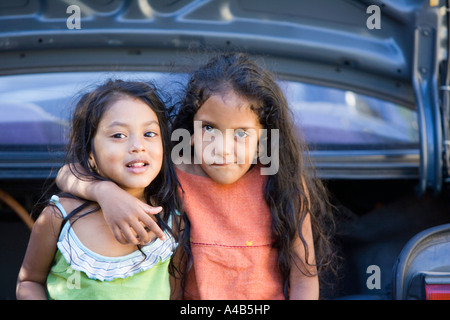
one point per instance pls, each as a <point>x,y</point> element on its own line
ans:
<point>137,193</point>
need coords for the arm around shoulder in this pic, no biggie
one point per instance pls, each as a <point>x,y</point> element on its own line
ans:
<point>125,215</point>
<point>67,181</point>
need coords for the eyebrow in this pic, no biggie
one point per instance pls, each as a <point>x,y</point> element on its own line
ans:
<point>207,122</point>
<point>122,124</point>
<point>211,123</point>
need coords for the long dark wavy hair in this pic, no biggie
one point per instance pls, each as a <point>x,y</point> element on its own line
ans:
<point>294,190</point>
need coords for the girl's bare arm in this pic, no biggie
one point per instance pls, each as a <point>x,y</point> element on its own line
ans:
<point>31,282</point>
<point>126,216</point>
<point>304,281</point>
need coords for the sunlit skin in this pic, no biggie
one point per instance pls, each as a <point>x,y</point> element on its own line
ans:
<point>227,144</point>
<point>127,146</point>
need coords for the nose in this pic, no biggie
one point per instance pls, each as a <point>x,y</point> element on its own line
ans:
<point>137,144</point>
<point>224,144</point>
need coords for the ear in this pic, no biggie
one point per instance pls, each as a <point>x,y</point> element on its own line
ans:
<point>92,163</point>
<point>192,140</point>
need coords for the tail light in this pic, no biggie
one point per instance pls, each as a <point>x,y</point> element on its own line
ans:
<point>437,291</point>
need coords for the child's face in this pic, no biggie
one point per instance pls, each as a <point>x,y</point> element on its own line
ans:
<point>227,144</point>
<point>128,145</point>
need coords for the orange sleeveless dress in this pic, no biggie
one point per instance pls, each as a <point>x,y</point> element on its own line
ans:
<point>231,239</point>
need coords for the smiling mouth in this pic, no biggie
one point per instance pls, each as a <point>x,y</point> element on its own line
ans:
<point>137,164</point>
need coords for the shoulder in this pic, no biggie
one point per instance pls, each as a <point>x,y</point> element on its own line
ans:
<point>48,223</point>
<point>69,204</point>
<point>56,209</point>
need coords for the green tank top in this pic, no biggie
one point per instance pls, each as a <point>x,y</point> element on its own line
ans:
<point>65,283</point>
<point>79,273</point>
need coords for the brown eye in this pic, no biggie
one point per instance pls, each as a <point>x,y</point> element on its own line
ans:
<point>118,136</point>
<point>208,128</point>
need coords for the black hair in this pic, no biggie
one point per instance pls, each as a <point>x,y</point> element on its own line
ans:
<point>291,193</point>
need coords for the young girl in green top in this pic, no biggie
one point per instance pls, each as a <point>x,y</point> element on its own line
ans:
<point>119,133</point>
